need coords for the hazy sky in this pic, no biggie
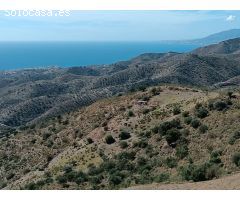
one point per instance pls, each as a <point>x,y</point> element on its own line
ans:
<point>118,26</point>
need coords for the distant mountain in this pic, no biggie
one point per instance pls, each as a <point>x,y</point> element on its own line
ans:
<point>217,37</point>
<point>27,96</point>
<point>228,47</point>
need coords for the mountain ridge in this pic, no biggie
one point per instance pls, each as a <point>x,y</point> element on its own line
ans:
<point>33,94</point>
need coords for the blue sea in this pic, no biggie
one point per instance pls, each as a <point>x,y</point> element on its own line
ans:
<point>17,55</point>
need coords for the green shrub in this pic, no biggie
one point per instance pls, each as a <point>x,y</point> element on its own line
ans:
<point>146,111</point>
<point>188,120</point>
<point>211,105</point>
<point>185,132</point>
<point>236,159</point>
<point>230,94</point>
<point>201,112</point>
<point>124,135</point>
<point>195,123</point>
<point>185,114</point>
<point>202,172</point>
<point>67,169</point>
<point>220,105</point>
<point>234,137</point>
<point>148,134</point>
<point>116,178</point>
<point>89,140</point>
<point>62,179</point>
<point>93,170</point>
<point>109,139</point>
<point>176,110</point>
<point>198,105</point>
<point>142,144</point>
<point>182,151</point>
<point>145,98</point>
<point>171,162</point>
<point>186,172</point>
<point>31,186</point>
<point>212,171</point>
<point>155,91</point>
<point>95,180</point>
<point>141,161</point>
<point>130,113</point>
<point>229,102</point>
<point>155,129</point>
<point>81,178</point>
<point>10,176</point>
<point>163,177</point>
<point>215,157</point>
<point>123,144</point>
<point>71,176</point>
<point>203,129</point>
<point>46,136</point>
<point>165,126</point>
<point>126,155</point>
<point>172,136</point>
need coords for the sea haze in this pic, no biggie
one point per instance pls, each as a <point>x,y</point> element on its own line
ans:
<point>17,55</point>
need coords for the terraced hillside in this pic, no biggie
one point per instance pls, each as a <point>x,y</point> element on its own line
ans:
<point>162,134</point>
<point>30,96</point>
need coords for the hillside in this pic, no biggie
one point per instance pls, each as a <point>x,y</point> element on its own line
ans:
<point>163,134</point>
<point>223,48</point>
<point>218,37</point>
<point>231,182</point>
<point>33,95</point>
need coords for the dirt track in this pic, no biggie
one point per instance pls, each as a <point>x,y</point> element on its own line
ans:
<point>231,182</point>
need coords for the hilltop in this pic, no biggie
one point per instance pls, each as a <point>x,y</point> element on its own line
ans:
<point>218,37</point>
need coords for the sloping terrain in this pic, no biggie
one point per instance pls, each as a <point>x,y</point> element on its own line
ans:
<point>227,183</point>
<point>29,96</point>
<point>218,37</point>
<point>160,134</point>
<point>225,47</point>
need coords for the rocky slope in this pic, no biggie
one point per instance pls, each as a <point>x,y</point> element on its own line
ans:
<point>163,134</point>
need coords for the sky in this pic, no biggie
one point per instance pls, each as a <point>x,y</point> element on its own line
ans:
<point>117,25</point>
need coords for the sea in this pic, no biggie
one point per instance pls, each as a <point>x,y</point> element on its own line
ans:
<point>19,55</point>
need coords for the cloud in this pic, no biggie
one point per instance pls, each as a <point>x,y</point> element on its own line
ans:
<point>230,18</point>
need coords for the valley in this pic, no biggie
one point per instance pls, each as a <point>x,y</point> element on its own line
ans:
<point>157,121</point>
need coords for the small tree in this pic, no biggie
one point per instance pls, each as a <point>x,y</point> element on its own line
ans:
<point>124,135</point>
<point>176,110</point>
<point>195,123</point>
<point>130,113</point>
<point>236,159</point>
<point>230,94</point>
<point>172,136</point>
<point>162,178</point>
<point>185,114</point>
<point>182,151</point>
<point>171,162</point>
<point>123,144</point>
<point>202,112</point>
<point>203,129</point>
<point>234,137</point>
<point>89,140</point>
<point>188,120</point>
<point>115,179</point>
<point>109,139</point>
<point>220,105</point>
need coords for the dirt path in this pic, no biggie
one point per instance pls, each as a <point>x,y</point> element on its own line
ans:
<point>231,182</point>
